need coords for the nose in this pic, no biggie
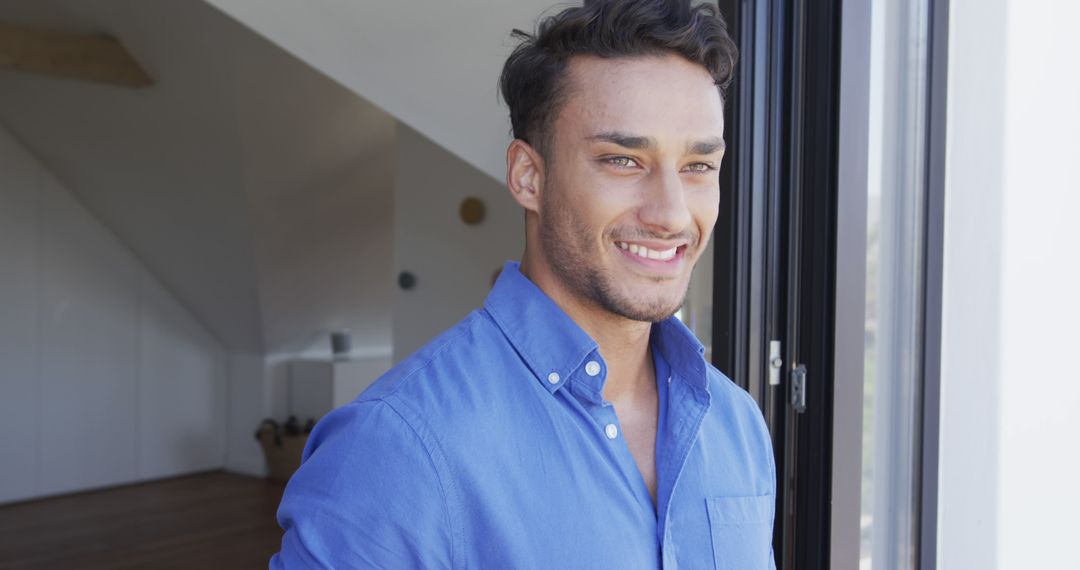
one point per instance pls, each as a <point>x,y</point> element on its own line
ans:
<point>663,208</point>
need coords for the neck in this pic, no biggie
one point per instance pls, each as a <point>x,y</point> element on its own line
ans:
<point>623,342</point>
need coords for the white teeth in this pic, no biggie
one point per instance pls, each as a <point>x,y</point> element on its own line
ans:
<point>642,251</point>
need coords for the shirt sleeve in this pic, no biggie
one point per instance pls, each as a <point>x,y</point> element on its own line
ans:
<point>367,495</point>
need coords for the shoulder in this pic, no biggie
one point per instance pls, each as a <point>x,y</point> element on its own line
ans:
<point>735,412</point>
<point>366,471</point>
<point>350,436</point>
<point>732,398</point>
<point>443,359</point>
<point>445,390</point>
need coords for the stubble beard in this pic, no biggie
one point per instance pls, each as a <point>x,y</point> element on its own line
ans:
<point>564,239</point>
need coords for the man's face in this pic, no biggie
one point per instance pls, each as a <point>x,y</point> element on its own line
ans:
<point>631,186</point>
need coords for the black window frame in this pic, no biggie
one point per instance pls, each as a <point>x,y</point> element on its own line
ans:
<point>775,254</point>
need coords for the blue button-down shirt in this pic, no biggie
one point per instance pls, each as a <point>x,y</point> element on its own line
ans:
<point>493,447</point>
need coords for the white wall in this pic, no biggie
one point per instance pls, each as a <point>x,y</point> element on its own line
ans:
<point>453,263</point>
<point>105,378</point>
<point>248,405</point>
<point>19,387</point>
<point>1040,380</point>
<point>1010,390</point>
<point>256,188</point>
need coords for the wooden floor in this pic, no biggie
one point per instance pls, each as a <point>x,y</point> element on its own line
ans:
<point>211,520</point>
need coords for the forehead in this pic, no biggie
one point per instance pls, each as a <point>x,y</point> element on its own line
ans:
<point>666,97</point>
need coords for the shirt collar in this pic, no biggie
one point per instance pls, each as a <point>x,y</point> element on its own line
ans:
<point>682,350</point>
<point>551,343</point>
<point>554,346</point>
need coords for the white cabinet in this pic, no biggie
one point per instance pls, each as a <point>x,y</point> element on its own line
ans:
<point>318,386</point>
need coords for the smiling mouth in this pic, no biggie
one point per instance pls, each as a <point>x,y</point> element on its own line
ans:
<point>647,253</point>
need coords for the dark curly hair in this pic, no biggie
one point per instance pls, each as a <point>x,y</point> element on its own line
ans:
<point>533,81</point>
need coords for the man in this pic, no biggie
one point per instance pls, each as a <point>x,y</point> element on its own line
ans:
<point>571,422</point>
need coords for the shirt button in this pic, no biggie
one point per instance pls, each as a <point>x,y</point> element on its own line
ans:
<point>592,368</point>
<point>553,378</point>
<point>611,431</point>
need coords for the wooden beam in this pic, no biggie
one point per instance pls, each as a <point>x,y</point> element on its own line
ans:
<point>77,56</point>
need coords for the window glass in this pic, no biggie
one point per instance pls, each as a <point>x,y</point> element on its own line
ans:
<point>696,312</point>
<point>896,193</point>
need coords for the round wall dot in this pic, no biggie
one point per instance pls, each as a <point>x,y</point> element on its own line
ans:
<point>472,211</point>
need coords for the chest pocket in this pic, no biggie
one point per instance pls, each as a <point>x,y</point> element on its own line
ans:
<point>741,529</point>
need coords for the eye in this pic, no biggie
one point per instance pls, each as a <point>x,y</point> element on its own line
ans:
<point>621,161</point>
<point>700,167</point>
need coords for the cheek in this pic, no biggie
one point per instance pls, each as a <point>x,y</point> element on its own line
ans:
<point>601,209</point>
<point>705,207</point>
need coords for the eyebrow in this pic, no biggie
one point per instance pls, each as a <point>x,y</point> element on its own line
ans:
<point>625,140</point>
<point>704,146</point>
<point>707,146</point>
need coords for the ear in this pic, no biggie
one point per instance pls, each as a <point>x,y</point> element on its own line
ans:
<point>525,174</point>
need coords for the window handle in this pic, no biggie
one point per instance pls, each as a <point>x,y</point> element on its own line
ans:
<point>798,388</point>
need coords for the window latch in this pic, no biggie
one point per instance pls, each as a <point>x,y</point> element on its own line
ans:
<point>798,388</point>
<point>775,363</point>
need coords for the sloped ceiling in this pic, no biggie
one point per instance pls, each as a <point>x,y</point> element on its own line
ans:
<point>432,64</point>
<point>256,189</point>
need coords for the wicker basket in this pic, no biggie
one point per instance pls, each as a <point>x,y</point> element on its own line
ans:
<point>282,451</point>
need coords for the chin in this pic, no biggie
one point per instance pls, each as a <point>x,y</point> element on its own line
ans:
<point>648,314</point>
<point>643,306</point>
